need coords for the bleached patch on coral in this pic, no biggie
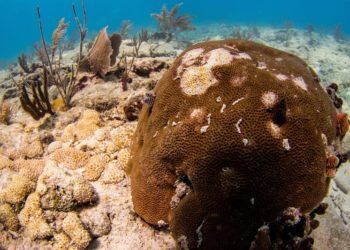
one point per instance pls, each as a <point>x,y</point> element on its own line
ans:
<point>278,59</point>
<point>196,113</point>
<point>281,77</point>
<point>269,99</point>
<point>218,99</point>
<point>237,125</point>
<point>204,129</point>
<point>245,141</point>
<point>217,57</point>
<point>223,108</point>
<point>183,242</point>
<point>199,235</point>
<point>324,139</point>
<point>189,58</point>
<point>299,81</point>
<point>237,101</point>
<point>261,65</point>
<point>237,81</point>
<point>285,144</point>
<point>195,80</point>
<point>242,55</point>
<point>274,129</point>
<point>181,190</point>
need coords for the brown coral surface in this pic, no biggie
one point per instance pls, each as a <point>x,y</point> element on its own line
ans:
<point>238,132</point>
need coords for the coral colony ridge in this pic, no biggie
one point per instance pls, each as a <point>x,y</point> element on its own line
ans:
<point>176,138</point>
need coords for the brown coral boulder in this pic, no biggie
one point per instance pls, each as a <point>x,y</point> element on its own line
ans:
<point>237,133</point>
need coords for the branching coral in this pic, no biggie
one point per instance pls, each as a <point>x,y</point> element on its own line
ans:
<point>170,23</point>
<point>237,133</point>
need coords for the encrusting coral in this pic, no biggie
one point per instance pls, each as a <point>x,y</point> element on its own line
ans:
<point>75,229</point>
<point>238,132</point>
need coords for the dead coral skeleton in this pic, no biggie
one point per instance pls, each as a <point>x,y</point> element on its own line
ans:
<point>170,23</point>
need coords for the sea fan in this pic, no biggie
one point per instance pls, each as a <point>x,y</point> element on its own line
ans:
<point>100,54</point>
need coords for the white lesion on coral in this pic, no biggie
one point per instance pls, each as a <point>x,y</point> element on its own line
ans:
<point>274,129</point>
<point>204,128</point>
<point>223,108</point>
<point>269,99</point>
<point>237,101</point>
<point>218,99</point>
<point>182,189</point>
<point>299,82</point>
<point>237,81</point>
<point>324,139</point>
<point>242,55</point>
<point>233,47</point>
<point>245,141</point>
<point>261,65</point>
<point>196,113</point>
<point>200,234</point>
<point>155,134</point>
<point>196,79</point>
<point>278,59</point>
<point>286,145</point>
<point>237,125</point>
<point>281,77</point>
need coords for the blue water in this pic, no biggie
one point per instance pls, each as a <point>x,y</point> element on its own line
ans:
<point>19,29</point>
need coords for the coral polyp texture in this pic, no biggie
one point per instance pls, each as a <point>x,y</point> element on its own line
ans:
<point>238,132</point>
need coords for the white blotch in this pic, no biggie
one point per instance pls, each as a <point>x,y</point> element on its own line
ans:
<point>174,124</point>
<point>155,134</point>
<point>190,57</point>
<point>252,200</point>
<point>281,77</point>
<point>261,65</point>
<point>275,130</point>
<point>181,190</point>
<point>204,129</point>
<point>217,57</point>
<point>237,101</point>
<point>299,81</point>
<point>199,235</point>
<point>231,47</point>
<point>196,113</point>
<point>242,55</point>
<point>237,125</point>
<point>196,80</point>
<point>209,118</point>
<point>162,223</point>
<point>245,141</point>
<point>223,108</point>
<point>285,144</point>
<point>218,99</point>
<point>237,80</point>
<point>269,99</point>
<point>278,59</point>
<point>324,139</point>
<point>183,242</point>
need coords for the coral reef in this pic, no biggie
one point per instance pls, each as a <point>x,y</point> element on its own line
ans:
<point>260,133</point>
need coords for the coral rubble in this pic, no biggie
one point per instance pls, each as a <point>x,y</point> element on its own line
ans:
<point>246,131</point>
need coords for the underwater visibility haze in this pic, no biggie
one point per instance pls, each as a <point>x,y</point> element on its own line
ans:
<point>174,124</point>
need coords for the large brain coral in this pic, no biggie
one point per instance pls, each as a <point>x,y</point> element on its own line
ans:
<point>234,134</point>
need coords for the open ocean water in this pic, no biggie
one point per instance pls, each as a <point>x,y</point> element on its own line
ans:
<point>19,28</point>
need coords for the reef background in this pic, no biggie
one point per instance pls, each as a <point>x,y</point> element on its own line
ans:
<point>89,144</point>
